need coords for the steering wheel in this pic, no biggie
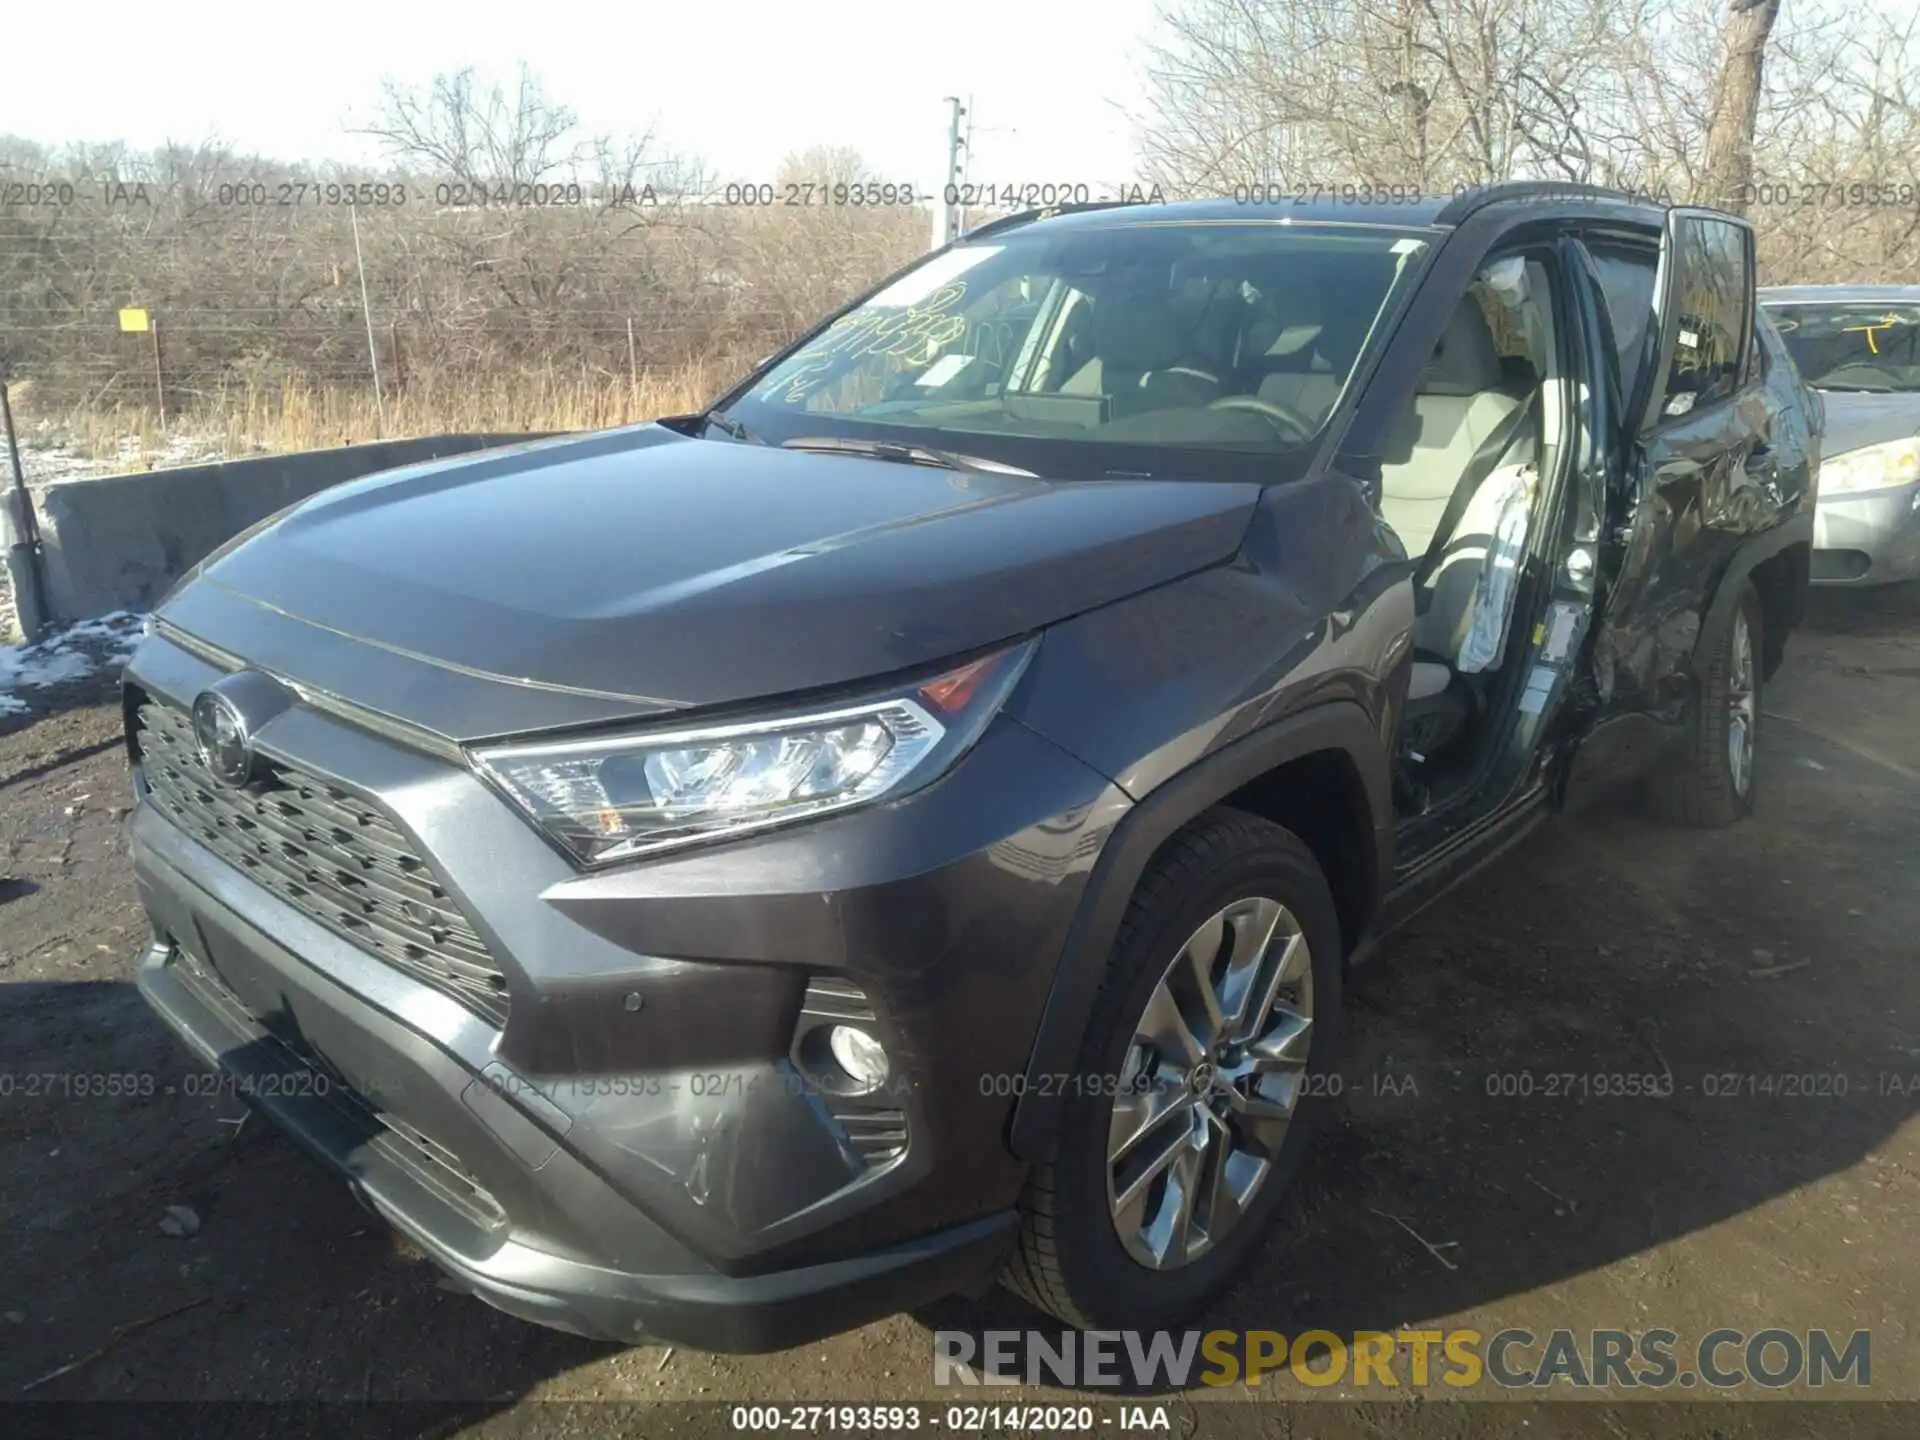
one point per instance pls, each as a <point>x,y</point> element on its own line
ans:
<point>1280,415</point>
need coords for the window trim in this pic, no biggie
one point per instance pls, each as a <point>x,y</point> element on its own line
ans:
<point>1651,423</point>
<point>1611,238</point>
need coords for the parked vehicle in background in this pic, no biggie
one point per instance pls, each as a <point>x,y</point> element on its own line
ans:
<point>732,878</point>
<point>1859,347</point>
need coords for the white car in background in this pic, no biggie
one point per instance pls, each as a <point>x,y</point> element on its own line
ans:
<point>1859,347</point>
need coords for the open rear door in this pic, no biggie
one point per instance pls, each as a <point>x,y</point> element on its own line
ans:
<point>1692,435</point>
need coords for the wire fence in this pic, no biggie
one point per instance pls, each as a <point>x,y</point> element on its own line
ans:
<point>284,311</point>
<point>187,302</point>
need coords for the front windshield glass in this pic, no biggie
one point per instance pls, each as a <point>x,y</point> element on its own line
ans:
<point>1853,347</point>
<point>1123,348</point>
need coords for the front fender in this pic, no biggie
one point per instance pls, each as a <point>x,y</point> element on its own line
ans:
<point>1755,551</point>
<point>1341,726</point>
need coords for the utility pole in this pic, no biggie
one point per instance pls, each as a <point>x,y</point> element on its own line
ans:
<point>20,550</point>
<point>159,372</point>
<point>366,313</point>
<point>965,168</point>
<point>945,202</point>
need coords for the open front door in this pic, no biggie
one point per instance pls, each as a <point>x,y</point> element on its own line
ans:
<point>1691,439</point>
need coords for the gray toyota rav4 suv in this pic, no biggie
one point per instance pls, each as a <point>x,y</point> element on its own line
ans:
<point>735,877</point>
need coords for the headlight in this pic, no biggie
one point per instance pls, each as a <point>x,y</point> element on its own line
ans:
<point>1873,467</point>
<point>612,798</point>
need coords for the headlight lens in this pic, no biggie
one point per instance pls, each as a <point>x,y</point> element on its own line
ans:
<point>1872,467</point>
<point>614,798</point>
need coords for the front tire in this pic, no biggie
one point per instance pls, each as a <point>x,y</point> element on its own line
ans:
<point>1216,1024</point>
<point>1711,782</point>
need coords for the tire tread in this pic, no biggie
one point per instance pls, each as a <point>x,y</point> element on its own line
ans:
<point>1697,789</point>
<point>1206,844</point>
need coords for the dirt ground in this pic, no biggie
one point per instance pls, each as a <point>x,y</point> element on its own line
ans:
<point>1787,946</point>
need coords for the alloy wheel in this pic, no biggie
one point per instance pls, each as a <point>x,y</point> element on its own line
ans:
<point>1741,705</point>
<point>1210,1084</point>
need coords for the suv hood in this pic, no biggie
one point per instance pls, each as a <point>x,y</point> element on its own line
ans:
<point>640,571</point>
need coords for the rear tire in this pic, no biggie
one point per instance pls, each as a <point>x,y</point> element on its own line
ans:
<point>1711,782</point>
<point>1085,1249</point>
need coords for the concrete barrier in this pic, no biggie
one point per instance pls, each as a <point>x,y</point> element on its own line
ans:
<point>117,542</point>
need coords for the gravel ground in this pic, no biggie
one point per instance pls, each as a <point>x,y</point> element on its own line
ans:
<point>1785,945</point>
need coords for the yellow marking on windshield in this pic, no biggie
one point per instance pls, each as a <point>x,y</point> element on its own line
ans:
<point>910,333</point>
<point>1872,327</point>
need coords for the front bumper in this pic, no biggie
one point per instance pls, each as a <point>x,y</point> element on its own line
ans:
<point>1871,539</point>
<point>633,1154</point>
<point>416,1190</point>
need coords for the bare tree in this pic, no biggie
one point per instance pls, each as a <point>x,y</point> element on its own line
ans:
<point>476,132</point>
<point>1413,92</point>
<point>1736,103</point>
<point>828,165</point>
<point>1800,115</point>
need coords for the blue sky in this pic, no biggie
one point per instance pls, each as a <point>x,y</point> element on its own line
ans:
<point>740,84</point>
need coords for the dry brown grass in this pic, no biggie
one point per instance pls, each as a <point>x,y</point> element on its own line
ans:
<point>299,415</point>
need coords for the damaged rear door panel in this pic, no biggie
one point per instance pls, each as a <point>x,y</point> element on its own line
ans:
<point>1717,461</point>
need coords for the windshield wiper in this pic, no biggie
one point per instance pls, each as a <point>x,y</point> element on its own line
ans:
<point>903,454</point>
<point>728,425</point>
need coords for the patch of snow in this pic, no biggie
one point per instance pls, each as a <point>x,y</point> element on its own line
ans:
<point>66,655</point>
<point>46,465</point>
<point>48,457</point>
<point>113,626</point>
<point>55,666</point>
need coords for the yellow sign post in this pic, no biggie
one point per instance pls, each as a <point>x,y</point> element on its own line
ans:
<point>135,321</point>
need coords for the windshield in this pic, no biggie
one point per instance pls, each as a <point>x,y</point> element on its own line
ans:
<point>1853,347</point>
<point>1189,349</point>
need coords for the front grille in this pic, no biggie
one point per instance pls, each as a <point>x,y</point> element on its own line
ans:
<point>329,854</point>
<point>440,1170</point>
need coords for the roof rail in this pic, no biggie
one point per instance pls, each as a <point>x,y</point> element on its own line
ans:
<point>1481,196</point>
<point>1025,217</point>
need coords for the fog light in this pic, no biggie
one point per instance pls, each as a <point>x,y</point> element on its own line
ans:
<point>859,1054</point>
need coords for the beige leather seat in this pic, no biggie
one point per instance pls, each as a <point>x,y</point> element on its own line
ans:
<point>1464,400</point>
<point>1141,358</point>
<point>1303,361</point>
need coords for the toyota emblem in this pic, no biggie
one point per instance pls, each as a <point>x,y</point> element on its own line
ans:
<point>226,749</point>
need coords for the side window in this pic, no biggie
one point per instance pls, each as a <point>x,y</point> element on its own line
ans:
<point>1627,275</point>
<point>1712,305</point>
